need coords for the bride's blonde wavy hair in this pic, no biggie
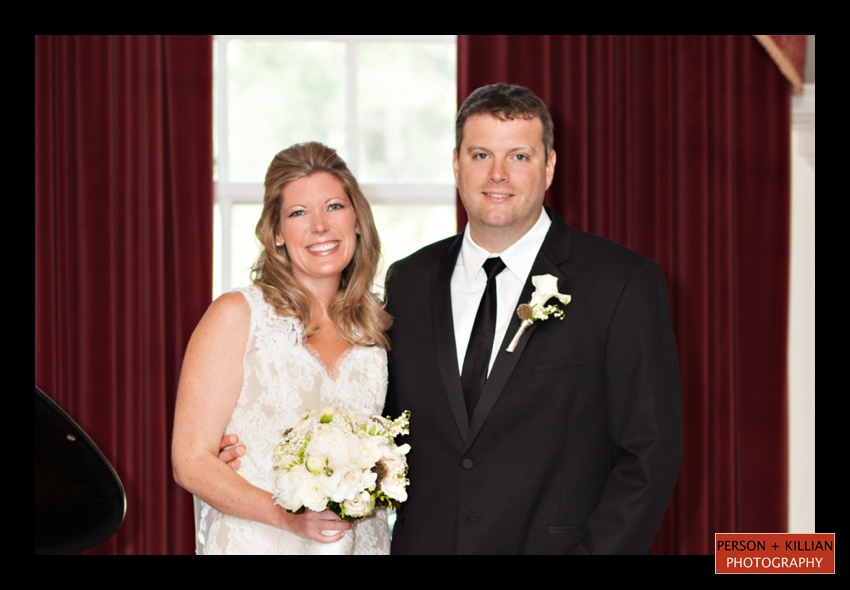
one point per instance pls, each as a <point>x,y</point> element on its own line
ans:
<point>358,316</point>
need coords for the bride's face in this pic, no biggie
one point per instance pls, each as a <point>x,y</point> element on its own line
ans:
<point>318,226</point>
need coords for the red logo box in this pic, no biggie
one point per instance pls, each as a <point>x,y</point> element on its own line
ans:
<point>774,553</point>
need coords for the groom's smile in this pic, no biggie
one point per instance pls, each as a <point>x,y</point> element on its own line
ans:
<point>502,173</point>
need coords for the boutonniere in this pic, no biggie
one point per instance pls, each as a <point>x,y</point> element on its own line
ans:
<point>545,287</point>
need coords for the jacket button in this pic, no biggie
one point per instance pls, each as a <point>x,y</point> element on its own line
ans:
<point>467,463</point>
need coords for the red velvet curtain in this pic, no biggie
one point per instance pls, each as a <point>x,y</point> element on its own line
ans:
<point>124,200</point>
<point>678,147</point>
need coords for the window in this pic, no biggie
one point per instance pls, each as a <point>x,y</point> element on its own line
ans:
<point>386,103</point>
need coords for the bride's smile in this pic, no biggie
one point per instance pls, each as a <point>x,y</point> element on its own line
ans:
<point>318,226</point>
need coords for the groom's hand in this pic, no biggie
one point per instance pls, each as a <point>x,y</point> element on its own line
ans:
<point>230,450</point>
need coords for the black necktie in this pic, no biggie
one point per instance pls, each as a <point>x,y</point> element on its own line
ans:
<point>477,360</point>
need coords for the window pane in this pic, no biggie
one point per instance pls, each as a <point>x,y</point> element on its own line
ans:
<point>244,247</point>
<point>404,229</point>
<point>281,93</point>
<point>216,285</point>
<point>406,108</point>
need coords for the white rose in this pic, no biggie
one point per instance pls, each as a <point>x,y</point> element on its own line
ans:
<point>290,485</point>
<point>350,483</point>
<point>313,494</point>
<point>351,478</point>
<point>298,487</point>
<point>359,505</point>
<point>370,450</point>
<point>333,443</point>
<point>285,494</point>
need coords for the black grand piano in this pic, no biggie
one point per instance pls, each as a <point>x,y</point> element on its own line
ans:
<point>79,499</point>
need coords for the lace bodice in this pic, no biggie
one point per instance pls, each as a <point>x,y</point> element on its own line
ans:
<point>282,379</point>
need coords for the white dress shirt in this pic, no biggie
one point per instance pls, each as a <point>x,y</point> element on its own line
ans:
<point>469,281</point>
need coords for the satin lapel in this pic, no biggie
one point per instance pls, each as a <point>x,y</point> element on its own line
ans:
<point>444,334</point>
<point>555,249</point>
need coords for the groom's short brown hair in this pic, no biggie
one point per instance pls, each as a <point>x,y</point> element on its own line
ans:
<point>506,102</point>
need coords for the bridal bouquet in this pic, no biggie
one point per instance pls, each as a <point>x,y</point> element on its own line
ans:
<point>341,460</point>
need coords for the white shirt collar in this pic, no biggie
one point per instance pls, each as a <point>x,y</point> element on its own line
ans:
<point>518,258</point>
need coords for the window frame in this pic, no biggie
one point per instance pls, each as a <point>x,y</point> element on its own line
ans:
<point>228,193</point>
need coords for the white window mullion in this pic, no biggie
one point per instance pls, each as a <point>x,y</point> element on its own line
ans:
<point>409,194</point>
<point>352,132</point>
<point>221,122</point>
<point>225,205</point>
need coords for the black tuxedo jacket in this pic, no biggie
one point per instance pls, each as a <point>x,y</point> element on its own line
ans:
<point>575,444</point>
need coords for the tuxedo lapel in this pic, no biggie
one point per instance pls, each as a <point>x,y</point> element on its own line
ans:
<point>554,251</point>
<point>443,321</point>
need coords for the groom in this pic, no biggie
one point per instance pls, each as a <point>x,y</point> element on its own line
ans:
<point>569,444</point>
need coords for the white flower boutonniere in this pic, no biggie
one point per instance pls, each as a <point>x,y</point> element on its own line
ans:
<point>545,288</point>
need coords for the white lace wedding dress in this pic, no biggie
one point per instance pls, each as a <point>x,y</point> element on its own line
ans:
<point>281,380</point>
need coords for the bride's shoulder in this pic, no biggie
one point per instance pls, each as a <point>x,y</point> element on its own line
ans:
<point>229,310</point>
<point>250,299</point>
<point>220,334</point>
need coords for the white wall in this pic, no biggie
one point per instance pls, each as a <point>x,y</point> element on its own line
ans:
<point>801,328</point>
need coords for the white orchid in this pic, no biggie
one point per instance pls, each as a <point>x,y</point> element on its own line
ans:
<point>545,288</point>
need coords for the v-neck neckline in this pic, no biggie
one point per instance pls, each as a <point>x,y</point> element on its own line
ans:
<point>332,373</point>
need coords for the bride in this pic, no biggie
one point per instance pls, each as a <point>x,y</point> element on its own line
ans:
<point>306,332</point>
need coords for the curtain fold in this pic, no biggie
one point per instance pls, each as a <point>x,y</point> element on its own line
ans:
<point>124,200</point>
<point>788,52</point>
<point>678,147</point>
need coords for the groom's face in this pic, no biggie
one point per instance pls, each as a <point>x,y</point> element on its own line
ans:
<point>502,173</point>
